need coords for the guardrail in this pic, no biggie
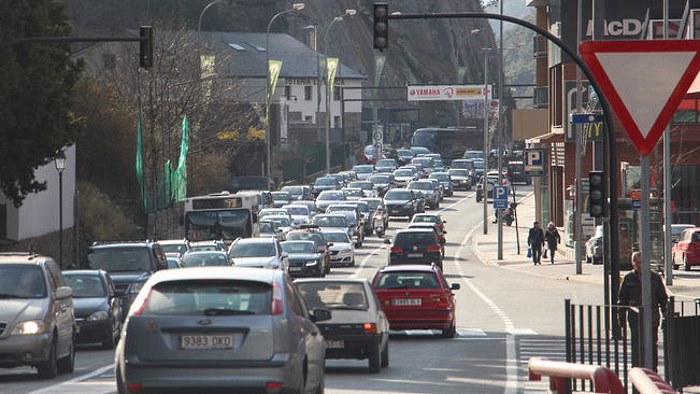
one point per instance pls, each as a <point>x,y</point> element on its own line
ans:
<point>560,374</point>
<point>647,381</point>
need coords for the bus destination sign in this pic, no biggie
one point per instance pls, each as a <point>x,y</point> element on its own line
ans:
<point>217,203</point>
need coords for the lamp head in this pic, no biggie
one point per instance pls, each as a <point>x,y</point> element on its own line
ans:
<point>298,6</point>
<point>60,163</point>
<point>350,12</point>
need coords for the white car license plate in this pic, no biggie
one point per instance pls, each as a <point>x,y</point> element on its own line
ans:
<point>330,344</point>
<point>294,269</point>
<point>206,342</point>
<point>406,301</point>
<point>414,255</point>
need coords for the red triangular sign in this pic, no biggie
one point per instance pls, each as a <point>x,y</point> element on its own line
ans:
<point>644,81</point>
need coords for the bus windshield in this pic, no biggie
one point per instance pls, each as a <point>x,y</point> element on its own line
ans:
<point>450,143</point>
<point>221,224</point>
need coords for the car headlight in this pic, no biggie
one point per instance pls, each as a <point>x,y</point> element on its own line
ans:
<point>99,315</point>
<point>136,287</point>
<point>29,327</point>
<point>311,263</point>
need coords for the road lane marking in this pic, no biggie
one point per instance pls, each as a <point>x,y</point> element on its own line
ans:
<point>81,378</point>
<point>366,259</point>
<point>511,361</point>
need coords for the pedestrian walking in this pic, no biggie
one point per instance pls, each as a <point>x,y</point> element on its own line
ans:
<point>535,241</point>
<point>552,238</point>
<point>631,296</point>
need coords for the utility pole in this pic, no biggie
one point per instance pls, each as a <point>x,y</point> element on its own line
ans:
<point>578,226</point>
<point>499,131</point>
<point>486,139</point>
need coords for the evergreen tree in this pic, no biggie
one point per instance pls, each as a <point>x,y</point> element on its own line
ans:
<point>36,85</point>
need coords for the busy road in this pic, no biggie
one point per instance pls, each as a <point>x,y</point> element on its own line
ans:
<point>501,317</point>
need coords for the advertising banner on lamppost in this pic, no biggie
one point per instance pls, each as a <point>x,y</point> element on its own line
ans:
<point>331,68</point>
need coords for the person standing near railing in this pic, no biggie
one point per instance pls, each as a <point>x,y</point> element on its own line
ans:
<point>631,295</point>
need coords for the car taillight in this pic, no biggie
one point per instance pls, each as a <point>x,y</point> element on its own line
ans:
<point>277,306</point>
<point>371,328</point>
<point>396,249</point>
<point>136,387</point>
<point>140,303</point>
<point>443,302</point>
<point>433,248</point>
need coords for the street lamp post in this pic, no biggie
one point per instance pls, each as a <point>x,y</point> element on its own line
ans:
<point>60,163</point>
<point>348,12</point>
<point>201,14</point>
<point>268,88</point>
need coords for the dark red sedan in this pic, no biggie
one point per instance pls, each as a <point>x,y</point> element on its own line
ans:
<point>416,297</point>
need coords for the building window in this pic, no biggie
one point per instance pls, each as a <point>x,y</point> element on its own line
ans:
<point>109,61</point>
<point>308,119</point>
<point>337,92</point>
<point>288,92</point>
<point>308,93</point>
<point>336,121</point>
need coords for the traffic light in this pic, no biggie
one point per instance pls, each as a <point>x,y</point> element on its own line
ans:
<point>381,26</point>
<point>146,47</point>
<point>597,203</point>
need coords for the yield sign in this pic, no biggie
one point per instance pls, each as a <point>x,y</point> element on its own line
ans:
<point>644,81</point>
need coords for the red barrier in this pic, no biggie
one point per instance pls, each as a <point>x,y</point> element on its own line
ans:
<point>604,380</point>
<point>647,381</point>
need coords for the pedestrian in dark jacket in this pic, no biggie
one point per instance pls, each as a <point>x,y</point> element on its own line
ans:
<point>552,238</point>
<point>631,296</point>
<point>535,240</point>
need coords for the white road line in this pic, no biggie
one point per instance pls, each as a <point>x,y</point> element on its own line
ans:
<point>81,378</point>
<point>366,259</point>
<point>511,361</point>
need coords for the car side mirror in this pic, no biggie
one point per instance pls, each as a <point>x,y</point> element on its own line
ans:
<point>63,292</point>
<point>162,265</point>
<point>442,240</point>
<point>329,244</point>
<point>387,240</point>
<point>285,255</point>
<point>454,286</point>
<point>320,314</point>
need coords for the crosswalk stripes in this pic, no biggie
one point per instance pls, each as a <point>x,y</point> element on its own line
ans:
<point>552,348</point>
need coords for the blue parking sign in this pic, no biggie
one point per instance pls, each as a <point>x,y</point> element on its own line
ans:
<point>500,197</point>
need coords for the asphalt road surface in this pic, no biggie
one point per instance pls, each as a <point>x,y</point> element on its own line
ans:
<point>504,317</point>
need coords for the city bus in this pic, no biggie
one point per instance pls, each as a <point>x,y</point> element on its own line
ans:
<point>221,216</point>
<point>449,142</point>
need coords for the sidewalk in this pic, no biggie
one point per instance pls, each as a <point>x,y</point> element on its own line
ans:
<point>485,247</point>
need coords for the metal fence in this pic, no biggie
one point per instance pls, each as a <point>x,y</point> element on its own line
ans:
<point>591,338</point>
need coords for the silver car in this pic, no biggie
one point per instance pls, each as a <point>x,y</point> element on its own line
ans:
<point>342,248</point>
<point>37,322</point>
<point>221,328</point>
<point>259,253</point>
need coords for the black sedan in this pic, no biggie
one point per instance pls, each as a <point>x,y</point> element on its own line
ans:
<point>358,328</point>
<point>98,310</point>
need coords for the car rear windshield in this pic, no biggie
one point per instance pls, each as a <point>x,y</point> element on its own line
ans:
<point>459,172</point>
<point>330,221</point>
<point>415,239</point>
<point>302,236</point>
<point>407,280</point>
<point>379,179</point>
<point>253,249</point>
<point>211,297</point>
<point>85,286</point>
<point>403,173</point>
<point>440,177</point>
<point>337,237</point>
<point>298,247</point>
<point>331,195</point>
<point>205,260</point>
<point>21,281</point>
<point>119,258</point>
<point>334,295</point>
<point>425,219</point>
<point>421,185</point>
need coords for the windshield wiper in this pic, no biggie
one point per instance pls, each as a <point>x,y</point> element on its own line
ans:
<point>7,295</point>
<point>350,308</point>
<point>225,312</point>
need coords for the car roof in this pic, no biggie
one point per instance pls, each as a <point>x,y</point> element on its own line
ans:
<point>299,241</point>
<point>335,215</point>
<point>413,230</point>
<point>259,240</point>
<point>22,258</point>
<point>84,272</point>
<point>408,267</point>
<point>233,273</point>
<point>435,215</point>
<point>332,280</point>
